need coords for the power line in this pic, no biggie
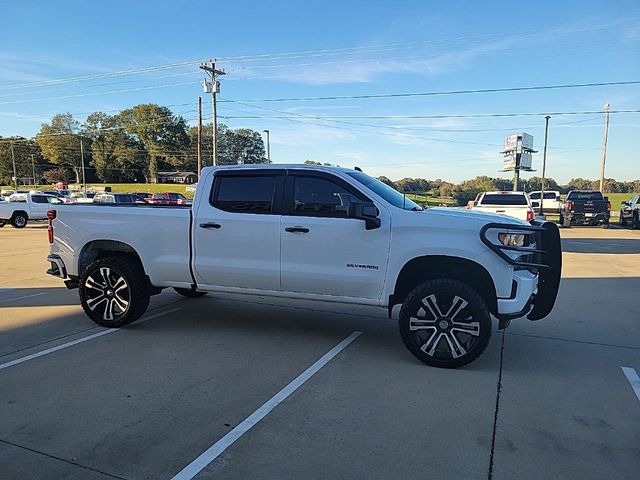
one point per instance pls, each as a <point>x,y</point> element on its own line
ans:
<point>446,92</point>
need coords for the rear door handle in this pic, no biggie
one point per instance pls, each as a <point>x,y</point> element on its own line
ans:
<point>210,225</point>
<point>297,230</point>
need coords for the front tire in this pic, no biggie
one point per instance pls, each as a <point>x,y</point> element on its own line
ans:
<point>187,292</point>
<point>114,291</point>
<point>622,222</point>
<point>445,323</point>
<point>635,221</point>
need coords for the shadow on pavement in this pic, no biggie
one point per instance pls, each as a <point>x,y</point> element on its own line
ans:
<point>601,245</point>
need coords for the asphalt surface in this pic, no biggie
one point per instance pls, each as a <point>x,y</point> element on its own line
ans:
<point>548,399</point>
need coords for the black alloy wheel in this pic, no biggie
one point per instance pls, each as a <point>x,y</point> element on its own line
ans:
<point>445,323</point>
<point>113,291</point>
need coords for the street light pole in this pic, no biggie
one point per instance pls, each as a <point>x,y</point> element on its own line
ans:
<point>604,145</point>
<point>84,183</point>
<point>268,146</point>
<point>544,161</point>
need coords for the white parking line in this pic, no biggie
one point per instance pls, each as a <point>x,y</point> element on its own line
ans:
<point>77,341</point>
<point>23,297</point>
<point>209,455</point>
<point>633,378</point>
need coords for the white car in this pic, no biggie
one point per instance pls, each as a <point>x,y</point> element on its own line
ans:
<point>308,232</point>
<point>551,202</point>
<point>513,204</point>
<point>23,207</point>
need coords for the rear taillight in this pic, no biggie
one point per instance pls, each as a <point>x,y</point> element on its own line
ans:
<point>609,206</point>
<point>569,205</point>
<point>51,215</point>
<point>529,215</point>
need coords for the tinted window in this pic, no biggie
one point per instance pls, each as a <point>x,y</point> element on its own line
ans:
<point>549,196</point>
<point>245,194</point>
<point>506,199</point>
<point>536,196</point>
<point>585,196</point>
<point>124,199</point>
<point>390,194</point>
<point>39,199</point>
<point>319,197</point>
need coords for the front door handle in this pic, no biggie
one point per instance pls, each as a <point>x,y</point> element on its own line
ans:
<point>297,230</point>
<point>210,225</point>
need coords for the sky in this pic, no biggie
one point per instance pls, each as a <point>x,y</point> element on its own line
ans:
<point>284,58</point>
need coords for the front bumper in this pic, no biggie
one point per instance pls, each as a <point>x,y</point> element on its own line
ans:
<point>541,262</point>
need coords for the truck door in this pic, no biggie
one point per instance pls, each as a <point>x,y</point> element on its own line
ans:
<point>323,251</point>
<point>236,231</point>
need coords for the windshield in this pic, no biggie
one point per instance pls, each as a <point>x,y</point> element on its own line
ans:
<point>390,194</point>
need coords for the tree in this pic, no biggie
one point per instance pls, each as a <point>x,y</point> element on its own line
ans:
<point>56,175</point>
<point>240,146</point>
<point>27,157</point>
<point>60,144</point>
<point>116,155</point>
<point>162,134</point>
<point>386,181</point>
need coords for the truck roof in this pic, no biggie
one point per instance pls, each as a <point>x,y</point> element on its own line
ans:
<point>279,166</point>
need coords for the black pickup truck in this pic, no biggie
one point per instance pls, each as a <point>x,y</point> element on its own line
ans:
<point>585,207</point>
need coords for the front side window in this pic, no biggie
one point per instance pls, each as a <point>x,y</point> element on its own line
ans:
<point>39,199</point>
<point>245,193</point>
<point>390,194</point>
<point>320,197</point>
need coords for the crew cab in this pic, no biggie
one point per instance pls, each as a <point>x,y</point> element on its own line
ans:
<point>309,232</point>
<point>167,198</point>
<point>23,207</point>
<point>513,204</point>
<point>549,203</point>
<point>585,207</point>
<point>630,212</point>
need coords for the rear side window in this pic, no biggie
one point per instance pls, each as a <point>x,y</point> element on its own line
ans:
<point>498,199</point>
<point>536,196</point>
<point>320,197</point>
<point>245,193</point>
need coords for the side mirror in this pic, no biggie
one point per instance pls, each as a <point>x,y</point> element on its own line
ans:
<point>535,204</point>
<point>624,203</point>
<point>367,212</point>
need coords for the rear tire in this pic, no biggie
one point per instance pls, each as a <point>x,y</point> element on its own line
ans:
<point>445,323</point>
<point>113,291</point>
<point>2,223</point>
<point>187,292</point>
<point>566,222</point>
<point>19,220</point>
<point>635,221</point>
<point>622,222</point>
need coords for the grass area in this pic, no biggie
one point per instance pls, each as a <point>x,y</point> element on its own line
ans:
<point>425,199</point>
<point>125,187</point>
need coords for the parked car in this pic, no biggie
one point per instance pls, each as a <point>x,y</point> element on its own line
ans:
<point>630,212</point>
<point>585,207</point>
<point>23,207</point>
<point>551,202</point>
<point>513,204</point>
<point>122,198</point>
<point>309,232</point>
<point>168,198</point>
<point>143,195</point>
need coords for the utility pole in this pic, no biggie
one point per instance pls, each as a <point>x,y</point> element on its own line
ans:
<point>544,161</point>
<point>15,172</point>
<point>604,145</point>
<point>199,153</point>
<point>84,184</point>
<point>268,146</point>
<point>33,167</point>
<point>516,173</point>
<point>214,89</point>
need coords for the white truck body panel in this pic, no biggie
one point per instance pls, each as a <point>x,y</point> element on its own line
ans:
<point>338,260</point>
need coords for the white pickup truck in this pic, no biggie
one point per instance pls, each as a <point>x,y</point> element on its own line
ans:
<point>23,207</point>
<point>314,233</point>
<point>514,204</point>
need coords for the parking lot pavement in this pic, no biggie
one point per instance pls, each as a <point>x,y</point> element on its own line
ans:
<point>145,401</point>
